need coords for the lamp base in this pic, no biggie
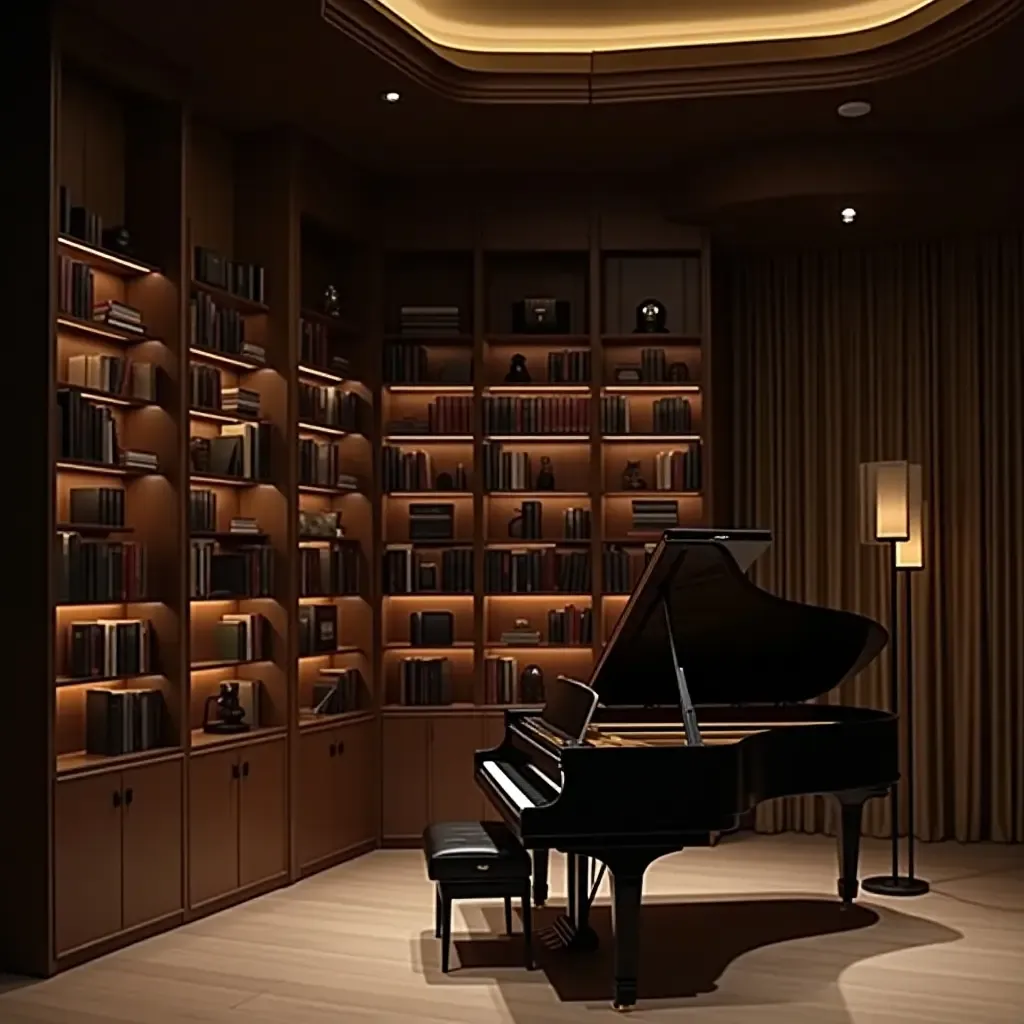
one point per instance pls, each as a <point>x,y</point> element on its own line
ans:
<point>901,885</point>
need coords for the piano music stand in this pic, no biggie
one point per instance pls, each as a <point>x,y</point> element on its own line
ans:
<point>897,520</point>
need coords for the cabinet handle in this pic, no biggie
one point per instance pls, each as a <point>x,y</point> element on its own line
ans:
<point>245,769</point>
<point>117,798</point>
<point>128,797</point>
<point>235,773</point>
<point>333,749</point>
<point>341,748</point>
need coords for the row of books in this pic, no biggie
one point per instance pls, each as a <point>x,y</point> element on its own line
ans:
<point>571,625</point>
<point>202,510</point>
<point>242,637</point>
<point>87,430</point>
<point>507,471</point>
<point>316,350</point>
<point>319,462</point>
<point>570,366</point>
<point>99,571</point>
<point>621,568</point>
<point>501,681</point>
<point>243,279</point>
<point>76,288</point>
<point>96,506</point>
<point>114,375</point>
<point>406,571</point>
<point>318,629</point>
<point>536,415</point>
<point>425,681</point>
<point>406,469</point>
<point>450,414</point>
<point>338,690</point>
<point>242,572</point>
<point>672,415</point>
<point>78,221</point>
<point>123,721</point>
<point>678,470</point>
<point>331,406</point>
<point>241,450</point>
<point>429,321</point>
<point>333,571</point>
<point>109,649</point>
<point>543,571</point>
<point>219,329</point>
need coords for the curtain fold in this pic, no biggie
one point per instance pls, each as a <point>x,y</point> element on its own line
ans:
<point>907,352</point>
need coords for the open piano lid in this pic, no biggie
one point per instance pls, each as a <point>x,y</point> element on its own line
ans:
<point>737,644</point>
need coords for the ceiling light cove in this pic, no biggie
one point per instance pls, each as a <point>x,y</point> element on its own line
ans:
<point>587,26</point>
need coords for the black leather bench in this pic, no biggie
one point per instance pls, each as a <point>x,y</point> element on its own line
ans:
<point>476,860</point>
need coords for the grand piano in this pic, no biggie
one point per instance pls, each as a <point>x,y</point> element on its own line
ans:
<point>695,712</point>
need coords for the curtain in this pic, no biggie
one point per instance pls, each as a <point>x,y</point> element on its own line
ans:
<point>907,352</point>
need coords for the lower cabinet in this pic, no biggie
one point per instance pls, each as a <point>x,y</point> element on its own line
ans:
<point>117,852</point>
<point>427,771</point>
<point>237,819</point>
<point>337,796</point>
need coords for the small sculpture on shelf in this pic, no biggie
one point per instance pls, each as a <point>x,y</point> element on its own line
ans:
<point>545,475</point>
<point>332,302</point>
<point>230,713</point>
<point>678,373</point>
<point>631,478</point>
<point>118,239</point>
<point>444,482</point>
<point>517,371</point>
<point>650,317</point>
<point>531,685</point>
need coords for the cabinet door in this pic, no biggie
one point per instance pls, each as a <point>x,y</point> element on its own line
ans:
<point>494,733</point>
<point>263,851</point>
<point>317,814</point>
<point>404,777</point>
<point>213,826</point>
<point>454,794</point>
<point>151,842</point>
<point>357,792</point>
<point>87,860</point>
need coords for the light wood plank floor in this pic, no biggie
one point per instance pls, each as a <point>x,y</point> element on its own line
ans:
<point>748,932</point>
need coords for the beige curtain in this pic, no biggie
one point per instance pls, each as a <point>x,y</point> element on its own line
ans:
<point>911,352</point>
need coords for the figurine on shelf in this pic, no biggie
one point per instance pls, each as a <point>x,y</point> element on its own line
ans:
<point>517,371</point>
<point>230,713</point>
<point>545,475</point>
<point>531,685</point>
<point>332,303</point>
<point>444,482</point>
<point>515,525</point>
<point>631,478</point>
<point>650,318</point>
<point>118,239</point>
<point>679,373</point>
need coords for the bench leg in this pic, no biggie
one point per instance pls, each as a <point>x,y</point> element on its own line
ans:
<point>508,915</point>
<point>527,927</point>
<point>446,929</point>
<point>437,911</point>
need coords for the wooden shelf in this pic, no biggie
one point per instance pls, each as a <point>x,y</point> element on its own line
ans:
<point>306,538</point>
<point>649,340</point>
<point>342,650</point>
<point>543,646</point>
<point>430,594</point>
<point>234,362</point>
<point>322,428</point>
<point>540,438</point>
<point>652,494</point>
<point>459,707</point>
<point>310,722</point>
<point>321,376</point>
<point>518,545</point>
<point>332,323</point>
<point>105,397</point>
<point>98,330</point>
<point>417,545</point>
<point>101,468</point>
<point>542,388</point>
<point>209,666</point>
<point>91,529</point>
<point>228,536</point>
<point>320,489</point>
<point>429,438</point>
<point>652,438</point>
<point>397,338</point>
<point>400,645</point>
<point>220,416</point>
<point>552,341</point>
<point>205,740</point>
<point>123,265</point>
<point>219,480</point>
<point>653,389</point>
<point>230,300</point>
<point>80,763</point>
<point>430,389</point>
<point>537,494</point>
<point>543,594</point>
<point>427,494</point>
<point>62,681</point>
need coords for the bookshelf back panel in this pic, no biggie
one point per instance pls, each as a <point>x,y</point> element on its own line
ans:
<point>396,517</point>
<point>273,705</point>
<point>618,516</point>
<point>629,356</point>
<point>397,609</point>
<point>462,668</point>
<point>329,260</point>
<point>502,611</point>
<point>615,458</point>
<point>675,281</point>
<point>211,189</point>
<point>510,277</point>
<point>569,461</point>
<point>428,279</point>
<point>498,359</point>
<point>499,511</point>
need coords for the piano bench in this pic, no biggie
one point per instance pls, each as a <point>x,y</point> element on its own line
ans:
<point>476,860</point>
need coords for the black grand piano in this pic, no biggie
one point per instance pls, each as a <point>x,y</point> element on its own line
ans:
<point>694,713</point>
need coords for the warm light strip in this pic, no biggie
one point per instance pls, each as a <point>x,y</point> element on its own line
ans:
<point>105,470</point>
<point>652,388</point>
<point>539,388</point>
<point>542,29</point>
<point>545,438</point>
<point>223,481</point>
<point>422,494</point>
<point>323,489</point>
<point>98,396</point>
<point>665,438</point>
<point>217,417</point>
<point>421,438</point>
<point>311,371</point>
<point>101,332</point>
<point>102,254</point>
<point>430,388</point>
<point>316,428</point>
<point>218,357</point>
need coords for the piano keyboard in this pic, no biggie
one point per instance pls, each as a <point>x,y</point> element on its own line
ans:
<point>518,789</point>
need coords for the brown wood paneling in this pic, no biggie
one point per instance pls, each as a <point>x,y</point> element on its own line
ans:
<point>212,826</point>
<point>262,851</point>
<point>454,794</point>
<point>404,777</point>
<point>210,191</point>
<point>87,860</point>
<point>152,843</point>
<point>357,773</point>
<point>317,797</point>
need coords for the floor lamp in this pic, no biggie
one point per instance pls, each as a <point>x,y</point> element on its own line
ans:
<point>892,514</point>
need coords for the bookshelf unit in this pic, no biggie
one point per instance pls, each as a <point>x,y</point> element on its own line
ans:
<point>569,417</point>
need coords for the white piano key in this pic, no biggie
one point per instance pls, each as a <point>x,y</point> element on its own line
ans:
<point>550,783</point>
<point>506,785</point>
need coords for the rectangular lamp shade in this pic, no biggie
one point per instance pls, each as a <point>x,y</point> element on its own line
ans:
<point>884,502</point>
<point>909,553</point>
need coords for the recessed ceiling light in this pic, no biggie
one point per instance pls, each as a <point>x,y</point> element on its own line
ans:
<point>854,108</point>
<point>392,97</point>
<point>848,214</point>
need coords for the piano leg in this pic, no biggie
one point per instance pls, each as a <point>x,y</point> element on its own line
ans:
<point>627,869</point>
<point>572,929</point>
<point>540,877</point>
<point>851,808</point>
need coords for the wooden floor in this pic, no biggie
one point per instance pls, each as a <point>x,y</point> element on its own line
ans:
<point>746,932</point>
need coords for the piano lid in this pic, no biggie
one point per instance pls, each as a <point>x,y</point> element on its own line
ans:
<point>737,644</point>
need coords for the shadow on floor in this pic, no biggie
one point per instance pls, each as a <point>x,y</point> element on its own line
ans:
<point>687,949</point>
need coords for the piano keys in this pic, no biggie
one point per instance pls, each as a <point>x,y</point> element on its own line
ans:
<point>696,711</point>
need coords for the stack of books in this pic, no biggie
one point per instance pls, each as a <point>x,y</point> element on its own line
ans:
<point>615,414</point>
<point>244,525</point>
<point>117,314</point>
<point>144,462</point>
<point>243,279</point>
<point>506,471</point>
<point>654,516</point>
<point>431,521</point>
<point>521,636</point>
<point>204,386</point>
<point>347,482</point>
<point>623,567</point>
<point>429,321</point>
<point>241,402</point>
<point>319,462</point>
<point>576,523</point>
